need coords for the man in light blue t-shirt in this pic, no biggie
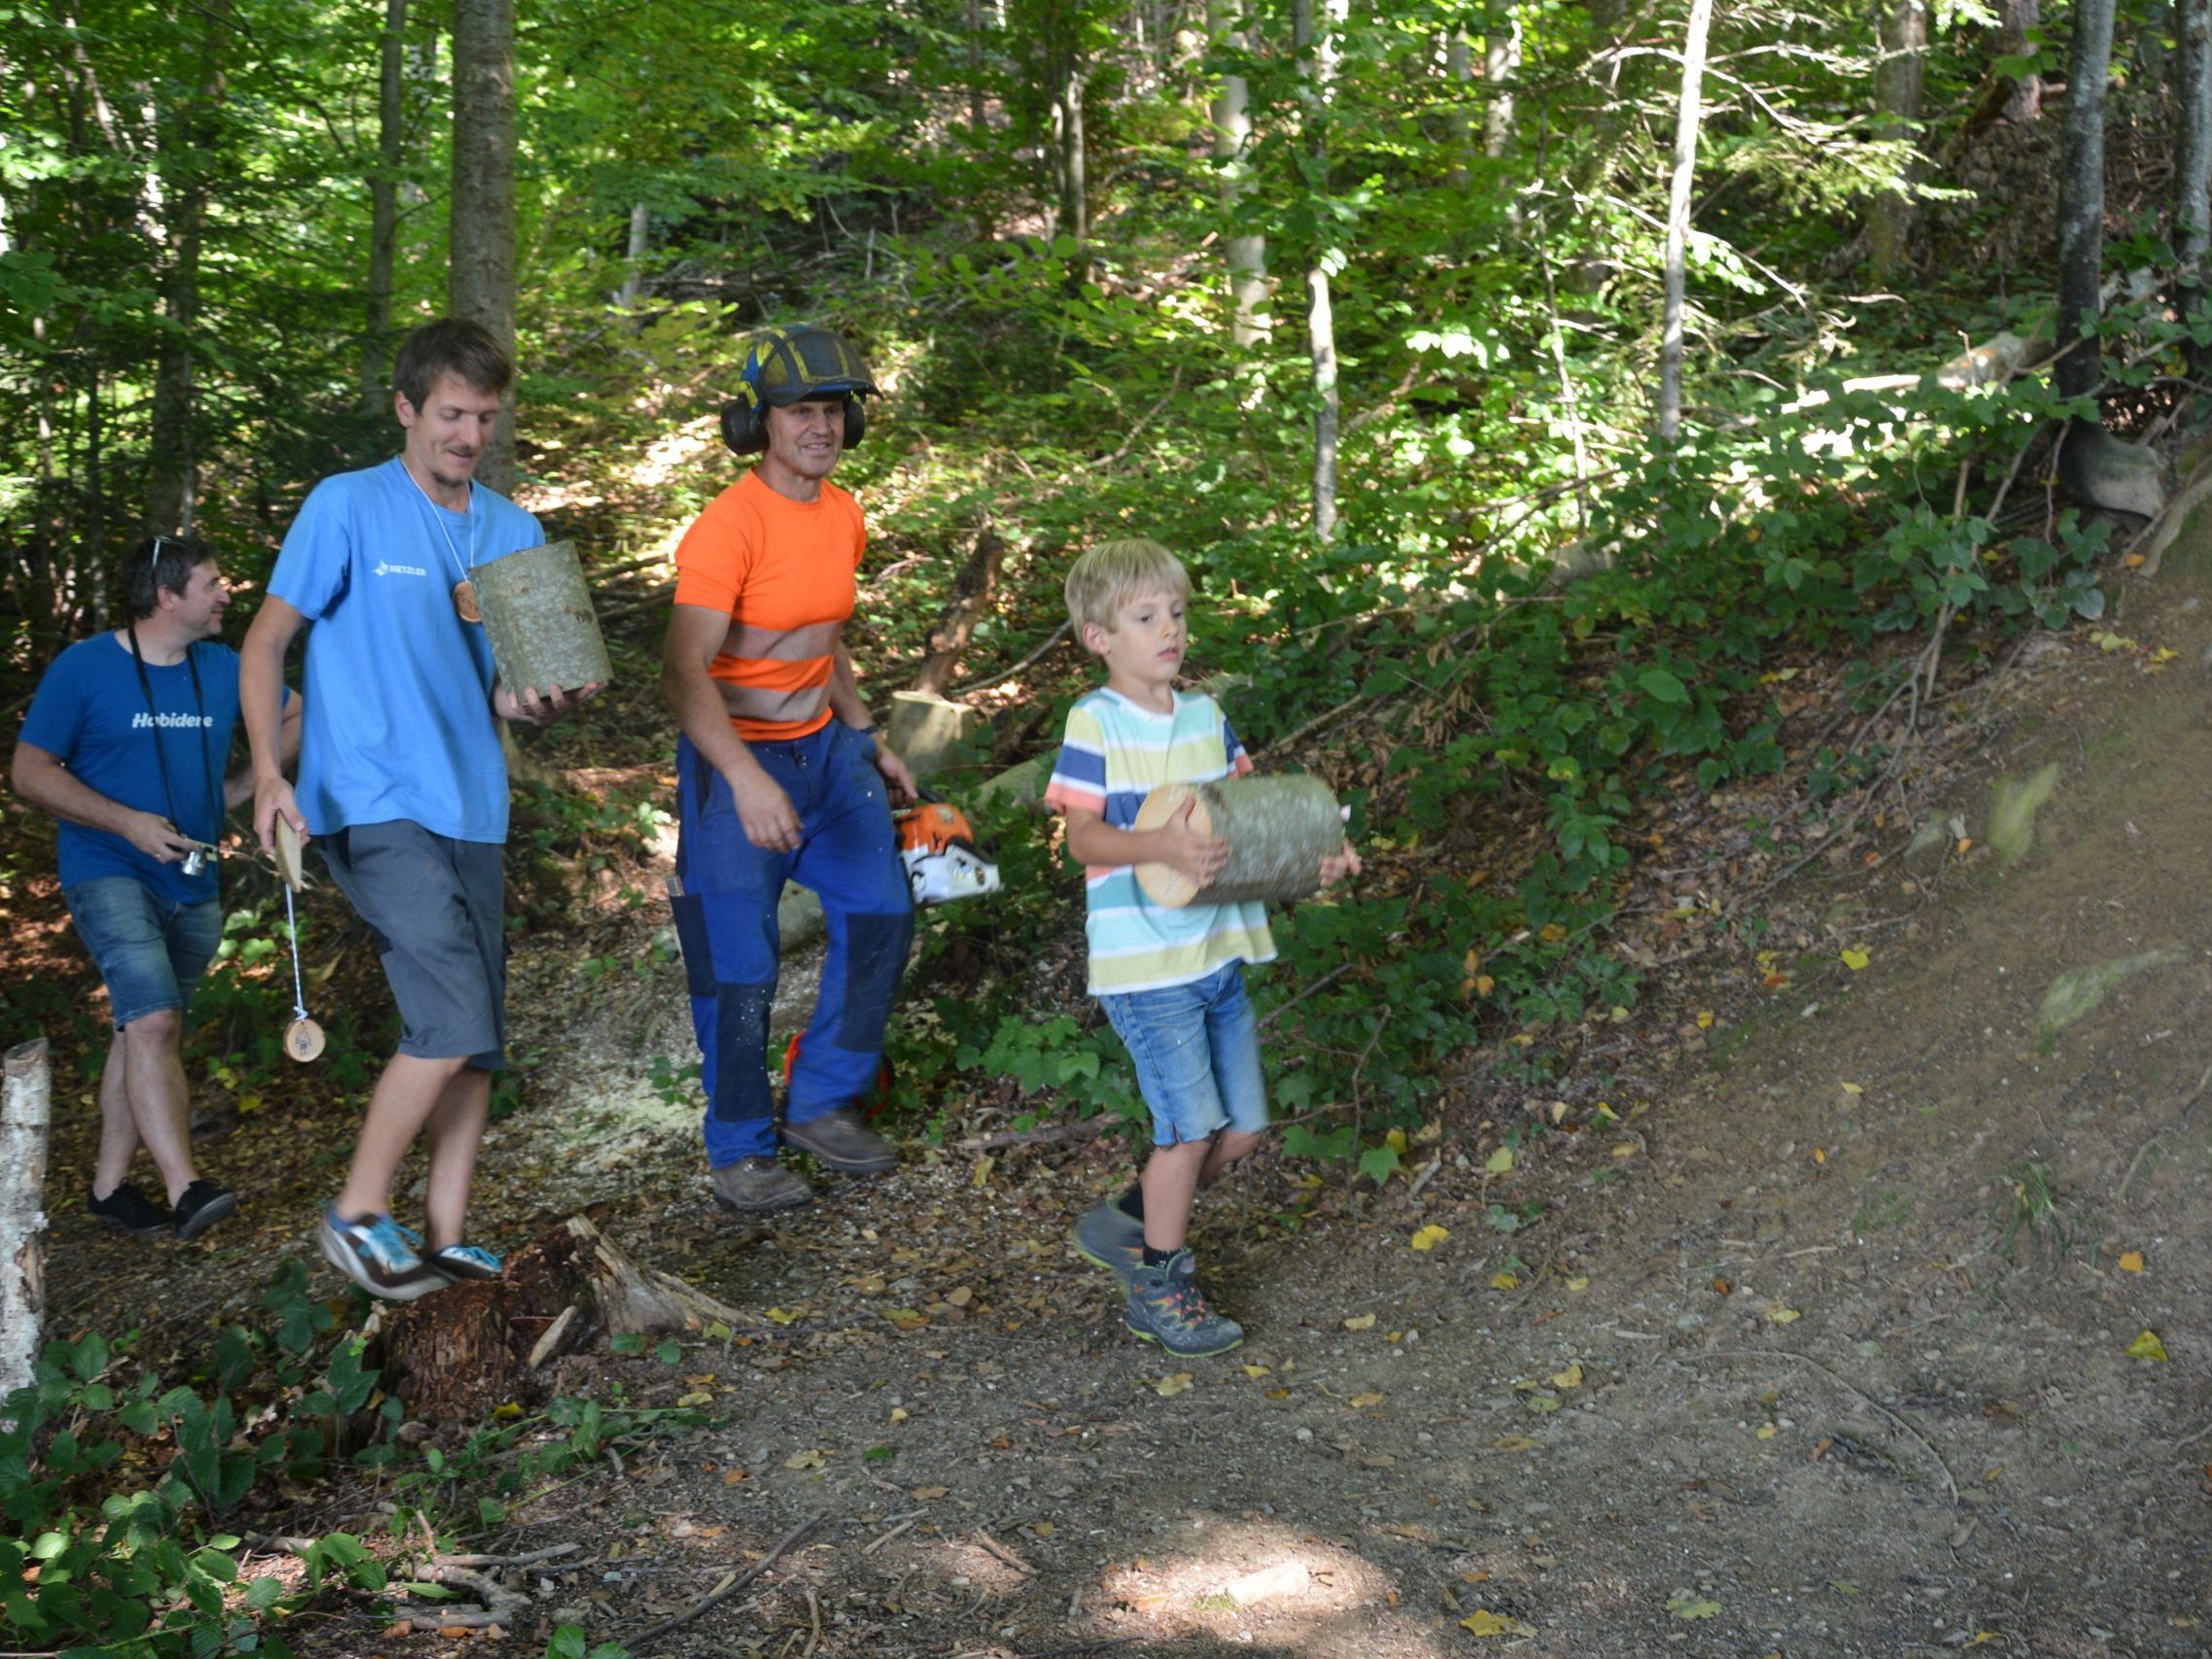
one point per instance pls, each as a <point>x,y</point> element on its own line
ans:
<point>125,744</point>
<point>403,783</point>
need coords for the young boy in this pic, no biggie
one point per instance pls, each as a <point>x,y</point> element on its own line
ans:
<point>1171,981</point>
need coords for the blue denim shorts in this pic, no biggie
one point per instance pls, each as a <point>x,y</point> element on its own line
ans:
<point>151,951</point>
<point>1196,1048</point>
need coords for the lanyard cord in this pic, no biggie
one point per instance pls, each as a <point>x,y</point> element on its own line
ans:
<point>292,931</point>
<point>437,517</point>
<point>160,750</point>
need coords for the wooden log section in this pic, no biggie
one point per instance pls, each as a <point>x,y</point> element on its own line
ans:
<point>1278,830</point>
<point>538,612</point>
<point>24,1110</point>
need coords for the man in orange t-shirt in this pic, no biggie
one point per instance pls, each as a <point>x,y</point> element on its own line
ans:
<point>782,775</point>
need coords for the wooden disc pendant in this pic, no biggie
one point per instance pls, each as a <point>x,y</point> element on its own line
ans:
<point>303,1040</point>
<point>465,604</point>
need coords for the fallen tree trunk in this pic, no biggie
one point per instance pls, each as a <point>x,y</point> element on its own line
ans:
<point>24,1110</point>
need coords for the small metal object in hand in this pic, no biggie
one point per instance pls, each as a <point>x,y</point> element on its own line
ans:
<point>196,859</point>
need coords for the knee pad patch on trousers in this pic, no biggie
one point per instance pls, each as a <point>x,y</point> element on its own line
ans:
<point>691,911</point>
<point>875,954</point>
<point>741,1052</point>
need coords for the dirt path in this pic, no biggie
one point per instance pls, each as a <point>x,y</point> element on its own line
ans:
<point>1818,1349</point>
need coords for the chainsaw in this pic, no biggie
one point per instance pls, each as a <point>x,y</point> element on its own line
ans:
<point>937,844</point>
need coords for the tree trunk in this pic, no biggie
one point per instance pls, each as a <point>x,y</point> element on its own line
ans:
<point>1318,47</point>
<point>2081,198</point>
<point>1459,86</point>
<point>24,1110</point>
<point>2025,101</point>
<point>2193,162</point>
<point>1686,121</point>
<point>384,212</point>
<point>1246,251</point>
<point>634,268</point>
<point>969,601</point>
<point>1278,829</point>
<point>1074,206</point>
<point>977,125</point>
<point>481,275</point>
<point>187,135</point>
<point>1898,76</point>
<point>463,1353</point>
<point>1501,67</point>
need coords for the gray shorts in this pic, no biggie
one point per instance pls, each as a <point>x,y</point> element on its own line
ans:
<point>436,907</point>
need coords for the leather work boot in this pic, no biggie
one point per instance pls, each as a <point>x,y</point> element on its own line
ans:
<point>759,1184</point>
<point>842,1141</point>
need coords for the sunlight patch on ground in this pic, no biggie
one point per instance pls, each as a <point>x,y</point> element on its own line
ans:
<point>1256,1581</point>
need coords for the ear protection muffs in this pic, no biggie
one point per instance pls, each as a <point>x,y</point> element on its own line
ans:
<point>789,366</point>
<point>744,424</point>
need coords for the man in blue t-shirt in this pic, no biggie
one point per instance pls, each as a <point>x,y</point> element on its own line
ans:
<point>403,783</point>
<point>124,743</point>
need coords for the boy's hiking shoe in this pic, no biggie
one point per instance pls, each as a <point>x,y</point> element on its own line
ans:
<point>130,1209</point>
<point>459,1262</point>
<point>201,1206</point>
<point>1166,1307</point>
<point>759,1184</point>
<point>842,1141</point>
<point>1108,1236</point>
<point>375,1254</point>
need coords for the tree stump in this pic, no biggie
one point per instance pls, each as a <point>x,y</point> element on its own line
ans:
<point>537,613</point>
<point>1278,830</point>
<point>461,1353</point>
<point>24,1110</point>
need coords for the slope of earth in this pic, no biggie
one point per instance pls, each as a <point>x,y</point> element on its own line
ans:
<point>1815,1341</point>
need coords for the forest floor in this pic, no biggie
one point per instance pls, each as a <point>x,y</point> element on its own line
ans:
<point>1824,1336</point>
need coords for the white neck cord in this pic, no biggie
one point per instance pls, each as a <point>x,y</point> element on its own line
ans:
<point>292,929</point>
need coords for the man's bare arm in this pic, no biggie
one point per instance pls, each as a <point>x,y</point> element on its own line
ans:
<point>40,778</point>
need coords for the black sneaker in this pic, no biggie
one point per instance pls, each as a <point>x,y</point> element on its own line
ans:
<point>130,1209</point>
<point>201,1206</point>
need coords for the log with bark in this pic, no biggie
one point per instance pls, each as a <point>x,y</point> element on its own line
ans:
<point>461,1353</point>
<point>1278,830</point>
<point>967,604</point>
<point>538,612</point>
<point>25,1109</point>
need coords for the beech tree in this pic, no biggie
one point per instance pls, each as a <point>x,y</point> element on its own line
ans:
<point>2080,199</point>
<point>1686,122</point>
<point>480,279</point>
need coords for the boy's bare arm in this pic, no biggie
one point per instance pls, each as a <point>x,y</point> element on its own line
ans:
<point>1176,844</point>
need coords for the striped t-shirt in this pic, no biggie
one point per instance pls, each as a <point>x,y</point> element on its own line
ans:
<point>1115,754</point>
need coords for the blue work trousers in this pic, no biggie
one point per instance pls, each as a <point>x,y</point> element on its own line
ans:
<point>725,921</point>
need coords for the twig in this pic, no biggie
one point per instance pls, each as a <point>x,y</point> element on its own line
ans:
<point>1051,639</point>
<point>1847,1387</point>
<point>2120,1196</point>
<point>1282,1008</point>
<point>1083,1128</point>
<point>449,1619</point>
<point>871,1549</point>
<point>813,1619</point>
<point>529,1558</point>
<point>729,1586</point>
<point>1004,1554</point>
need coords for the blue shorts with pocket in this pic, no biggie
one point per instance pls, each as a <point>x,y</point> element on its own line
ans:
<point>1196,1048</point>
<point>150,950</point>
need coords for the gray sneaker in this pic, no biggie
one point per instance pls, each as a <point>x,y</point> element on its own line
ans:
<point>759,1184</point>
<point>1108,1236</point>
<point>1166,1307</point>
<point>842,1141</point>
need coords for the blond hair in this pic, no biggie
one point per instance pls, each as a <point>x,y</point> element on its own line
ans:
<point>1111,573</point>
